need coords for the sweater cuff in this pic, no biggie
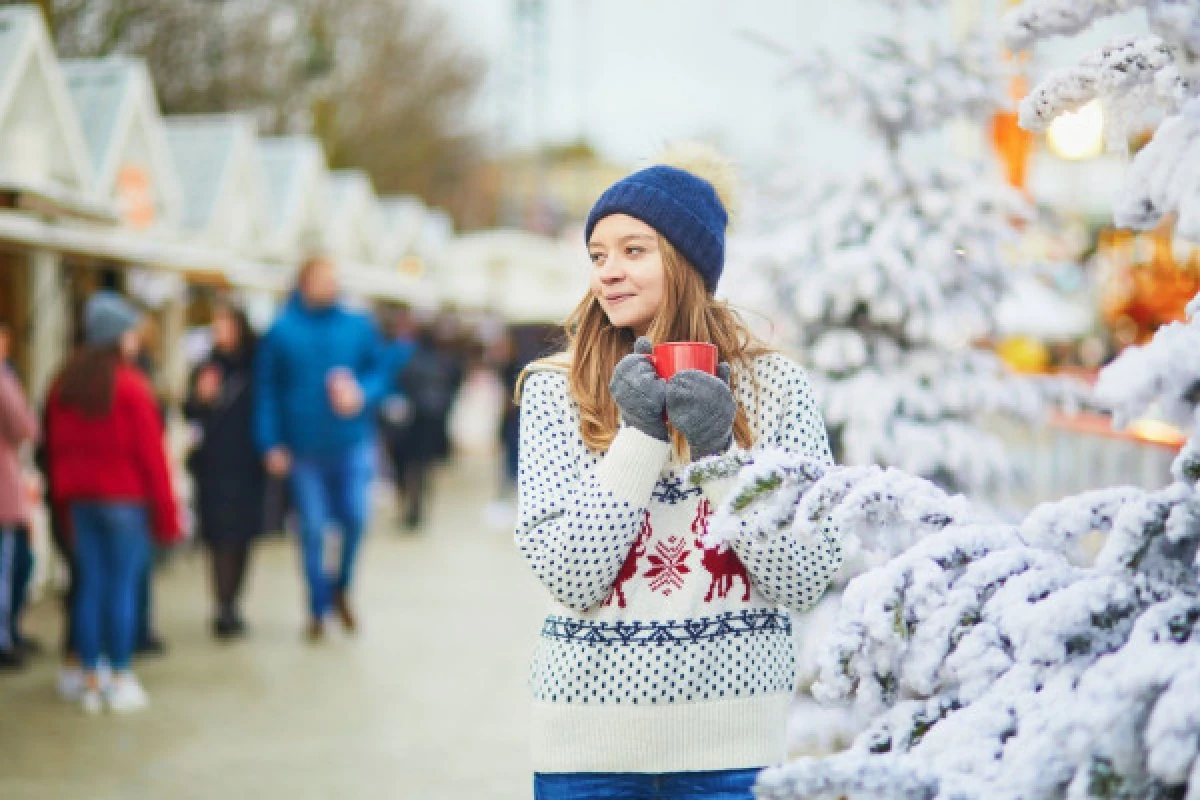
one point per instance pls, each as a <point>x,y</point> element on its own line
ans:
<point>632,465</point>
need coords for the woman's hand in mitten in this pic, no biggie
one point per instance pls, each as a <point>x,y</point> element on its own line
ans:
<point>640,393</point>
<point>702,408</point>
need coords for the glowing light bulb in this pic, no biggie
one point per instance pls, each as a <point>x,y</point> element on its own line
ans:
<point>1078,135</point>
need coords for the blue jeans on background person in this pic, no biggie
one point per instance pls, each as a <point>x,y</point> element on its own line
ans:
<point>733,784</point>
<point>16,567</point>
<point>112,546</point>
<point>326,489</point>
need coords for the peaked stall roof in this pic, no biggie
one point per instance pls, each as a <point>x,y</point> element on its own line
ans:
<point>33,94</point>
<point>208,149</point>
<point>295,178</point>
<point>356,224</point>
<point>113,96</point>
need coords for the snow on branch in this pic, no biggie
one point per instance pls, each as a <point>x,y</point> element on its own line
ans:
<point>1038,19</point>
<point>1128,75</point>
<point>1177,21</point>
<point>1166,372</point>
<point>1165,178</point>
<point>780,493</point>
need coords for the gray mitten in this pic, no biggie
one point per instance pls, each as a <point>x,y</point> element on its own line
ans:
<point>640,393</point>
<point>702,408</point>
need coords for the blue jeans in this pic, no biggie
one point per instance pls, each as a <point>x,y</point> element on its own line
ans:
<point>733,784</point>
<point>112,546</point>
<point>331,489</point>
<point>16,567</point>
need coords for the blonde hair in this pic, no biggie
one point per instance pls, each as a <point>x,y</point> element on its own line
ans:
<point>688,314</point>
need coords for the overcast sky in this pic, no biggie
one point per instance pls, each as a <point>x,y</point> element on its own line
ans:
<point>630,75</point>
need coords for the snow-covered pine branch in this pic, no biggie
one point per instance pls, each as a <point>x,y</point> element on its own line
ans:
<point>1040,19</point>
<point>1164,178</point>
<point>1177,21</point>
<point>1165,371</point>
<point>1130,76</point>
<point>1127,75</point>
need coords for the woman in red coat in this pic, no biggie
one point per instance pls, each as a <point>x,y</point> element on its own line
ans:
<point>109,474</point>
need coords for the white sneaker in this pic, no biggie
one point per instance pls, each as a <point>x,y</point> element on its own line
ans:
<point>71,683</point>
<point>125,694</point>
<point>91,701</point>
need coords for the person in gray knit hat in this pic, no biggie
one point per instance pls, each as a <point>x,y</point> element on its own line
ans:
<point>109,474</point>
<point>107,317</point>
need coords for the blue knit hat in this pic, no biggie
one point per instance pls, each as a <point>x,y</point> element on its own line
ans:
<point>681,206</point>
<point>106,318</point>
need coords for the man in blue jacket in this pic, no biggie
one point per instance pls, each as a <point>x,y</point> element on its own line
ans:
<point>320,373</point>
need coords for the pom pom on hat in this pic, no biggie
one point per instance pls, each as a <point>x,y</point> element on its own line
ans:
<point>684,199</point>
<point>705,161</point>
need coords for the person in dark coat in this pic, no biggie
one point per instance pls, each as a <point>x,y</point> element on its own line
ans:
<point>230,479</point>
<point>430,381</point>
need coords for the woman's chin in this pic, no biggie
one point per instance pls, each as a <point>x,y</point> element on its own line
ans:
<point>631,321</point>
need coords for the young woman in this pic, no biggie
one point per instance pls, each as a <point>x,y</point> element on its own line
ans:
<point>665,668</point>
<point>229,476</point>
<point>109,472</point>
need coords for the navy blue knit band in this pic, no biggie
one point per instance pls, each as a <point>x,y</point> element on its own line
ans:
<point>683,207</point>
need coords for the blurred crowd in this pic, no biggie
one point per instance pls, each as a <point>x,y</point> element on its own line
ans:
<point>288,432</point>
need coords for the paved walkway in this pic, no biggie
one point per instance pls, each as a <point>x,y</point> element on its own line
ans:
<point>428,702</point>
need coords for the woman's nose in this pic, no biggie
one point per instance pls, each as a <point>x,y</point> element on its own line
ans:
<point>611,272</point>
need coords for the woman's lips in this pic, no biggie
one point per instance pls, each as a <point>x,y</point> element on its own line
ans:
<point>617,299</point>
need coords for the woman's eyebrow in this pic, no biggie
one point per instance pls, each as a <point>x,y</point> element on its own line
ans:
<point>632,237</point>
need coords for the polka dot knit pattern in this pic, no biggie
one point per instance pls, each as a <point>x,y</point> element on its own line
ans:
<point>659,654</point>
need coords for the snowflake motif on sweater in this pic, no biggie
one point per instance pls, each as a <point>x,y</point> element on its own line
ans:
<point>659,654</point>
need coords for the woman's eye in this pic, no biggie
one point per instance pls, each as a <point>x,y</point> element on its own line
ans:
<point>596,257</point>
<point>632,251</point>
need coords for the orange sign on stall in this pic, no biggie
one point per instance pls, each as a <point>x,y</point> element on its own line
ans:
<point>135,197</point>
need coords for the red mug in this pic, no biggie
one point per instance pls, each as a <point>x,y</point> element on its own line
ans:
<point>672,357</point>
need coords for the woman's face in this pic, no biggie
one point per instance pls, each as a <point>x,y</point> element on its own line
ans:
<point>627,277</point>
<point>224,332</point>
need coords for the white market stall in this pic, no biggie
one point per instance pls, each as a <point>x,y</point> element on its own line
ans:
<point>521,276</point>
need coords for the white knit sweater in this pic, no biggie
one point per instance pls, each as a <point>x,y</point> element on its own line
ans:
<point>659,655</point>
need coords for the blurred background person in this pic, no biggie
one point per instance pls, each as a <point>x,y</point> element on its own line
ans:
<point>396,411</point>
<point>70,676</point>
<point>510,363</point>
<point>320,373</point>
<point>109,470</point>
<point>17,427</point>
<point>230,480</point>
<point>430,382</point>
<point>148,642</point>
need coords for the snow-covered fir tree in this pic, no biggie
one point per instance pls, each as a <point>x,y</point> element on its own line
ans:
<point>989,660</point>
<point>888,276</point>
<point>993,660</point>
<point>884,280</point>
